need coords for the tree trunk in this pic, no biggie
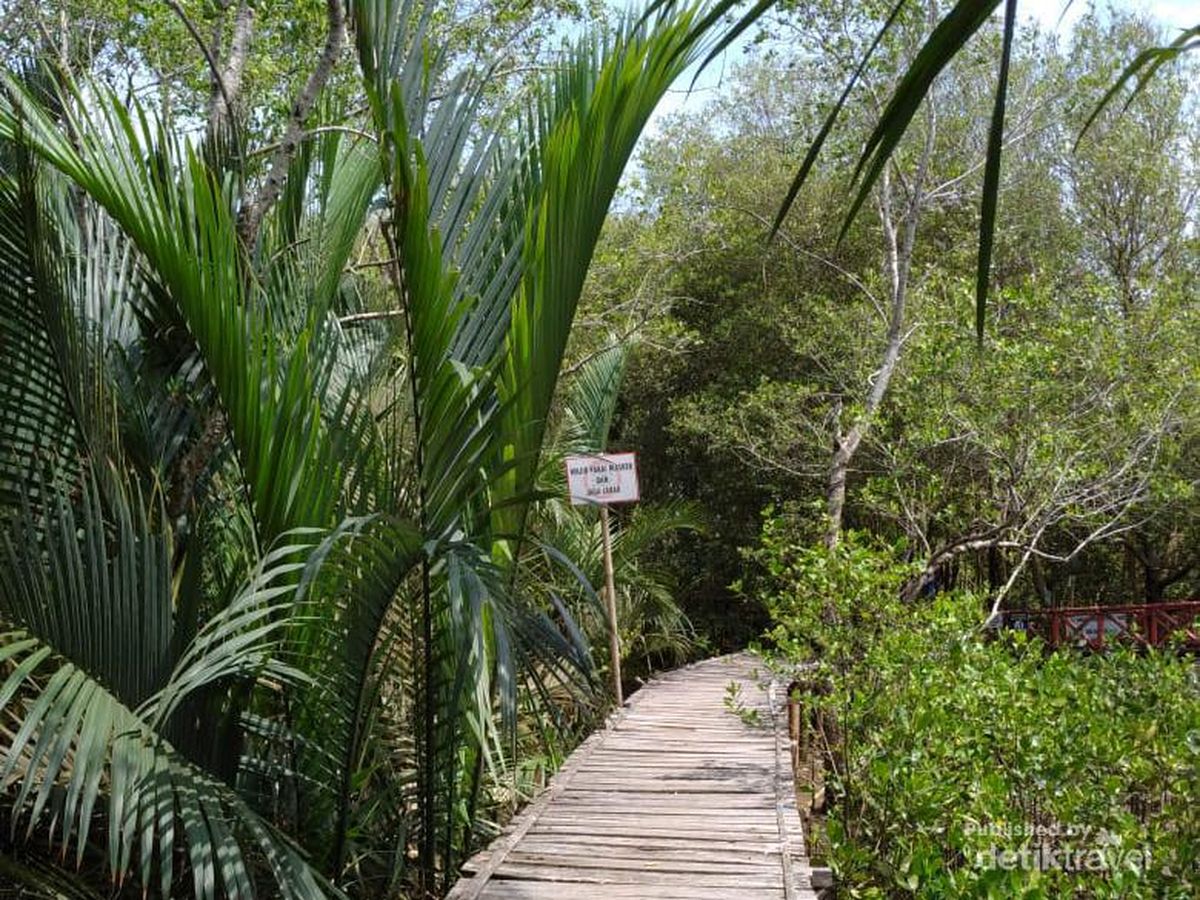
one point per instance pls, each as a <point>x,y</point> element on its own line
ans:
<point>995,569</point>
<point>255,209</point>
<point>835,492</point>
<point>899,241</point>
<point>1038,572</point>
<point>227,89</point>
<point>1153,587</point>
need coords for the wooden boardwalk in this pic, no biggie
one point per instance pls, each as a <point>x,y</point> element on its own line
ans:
<point>677,798</point>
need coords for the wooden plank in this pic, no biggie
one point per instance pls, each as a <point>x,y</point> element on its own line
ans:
<point>559,858</point>
<point>678,789</point>
<point>610,823</point>
<point>693,831</point>
<point>618,844</point>
<point>572,875</point>
<point>791,839</point>
<point>604,856</point>
<point>543,890</point>
<point>726,818</point>
<point>721,801</point>
<point>645,850</point>
<point>676,799</point>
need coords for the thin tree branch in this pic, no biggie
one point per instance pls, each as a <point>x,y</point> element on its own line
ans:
<point>213,67</point>
<point>254,211</point>
<point>316,132</point>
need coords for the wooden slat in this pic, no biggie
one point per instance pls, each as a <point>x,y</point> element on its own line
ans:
<point>542,890</point>
<point>693,830</point>
<point>568,874</point>
<point>677,799</point>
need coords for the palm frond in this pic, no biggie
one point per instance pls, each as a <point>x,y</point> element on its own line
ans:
<point>40,880</point>
<point>1143,67</point>
<point>56,405</point>
<point>814,149</point>
<point>356,576</point>
<point>651,523</point>
<point>182,221</point>
<point>591,401</point>
<point>594,110</point>
<point>946,41</point>
<point>89,674</point>
<point>948,38</point>
<point>991,173</point>
<point>75,733</point>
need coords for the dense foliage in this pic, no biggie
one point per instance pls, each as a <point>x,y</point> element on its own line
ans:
<point>1054,463</point>
<point>301,308</point>
<point>962,763</point>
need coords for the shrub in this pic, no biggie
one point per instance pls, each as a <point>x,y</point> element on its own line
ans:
<point>968,764</point>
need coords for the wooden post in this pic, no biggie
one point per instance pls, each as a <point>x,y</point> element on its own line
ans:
<point>610,590</point>
<point>793,708</point>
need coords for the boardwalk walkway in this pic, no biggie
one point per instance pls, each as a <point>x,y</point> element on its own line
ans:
<point>677,798</point>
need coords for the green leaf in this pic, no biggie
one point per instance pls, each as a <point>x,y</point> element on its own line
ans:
<point>814,149</point>
<point>991,173</point>
<point>1144,66</point>
<point>947,39</point>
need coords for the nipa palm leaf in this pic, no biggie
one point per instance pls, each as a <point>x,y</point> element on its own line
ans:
<point>89,675</point>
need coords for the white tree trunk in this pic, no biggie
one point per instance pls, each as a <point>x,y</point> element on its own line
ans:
<point>899,241</point>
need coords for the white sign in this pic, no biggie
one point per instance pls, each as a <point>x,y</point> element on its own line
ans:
<point>603,478</point>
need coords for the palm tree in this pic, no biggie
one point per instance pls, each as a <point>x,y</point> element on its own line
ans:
<point>261,511</point>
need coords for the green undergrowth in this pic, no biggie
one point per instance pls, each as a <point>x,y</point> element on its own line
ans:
<point>965,763</point>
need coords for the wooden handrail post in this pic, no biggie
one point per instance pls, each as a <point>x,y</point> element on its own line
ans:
<point>793,710</point>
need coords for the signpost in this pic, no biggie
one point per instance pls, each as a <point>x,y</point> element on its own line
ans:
<point>602,479</point>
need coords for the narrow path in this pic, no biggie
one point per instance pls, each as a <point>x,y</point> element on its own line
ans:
<point>677,798</point>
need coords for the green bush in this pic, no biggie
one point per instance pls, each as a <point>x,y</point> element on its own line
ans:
<point>956,755</point>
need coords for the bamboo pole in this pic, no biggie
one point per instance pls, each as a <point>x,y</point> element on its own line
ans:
<point>610,590</point>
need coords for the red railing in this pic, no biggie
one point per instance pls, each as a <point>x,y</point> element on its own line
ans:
<point>1094,627</point>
